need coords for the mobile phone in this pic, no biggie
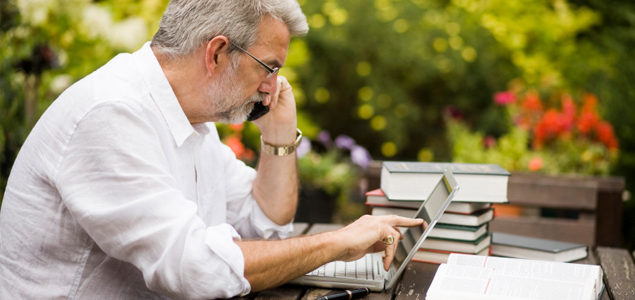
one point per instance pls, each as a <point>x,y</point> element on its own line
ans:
<point>258,111</point>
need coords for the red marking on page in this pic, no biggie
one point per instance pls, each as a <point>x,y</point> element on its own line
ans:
<point>487,286</point>
<point>485,261</point>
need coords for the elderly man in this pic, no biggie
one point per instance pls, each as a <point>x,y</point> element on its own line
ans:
<point>122,191</point>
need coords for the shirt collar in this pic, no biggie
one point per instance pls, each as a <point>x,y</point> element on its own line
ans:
<point>163,95</point>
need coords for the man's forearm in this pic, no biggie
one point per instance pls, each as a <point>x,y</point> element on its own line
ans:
<point>272,263</point>
<point>276,187</point>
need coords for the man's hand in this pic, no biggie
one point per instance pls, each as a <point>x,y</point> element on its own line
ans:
<point>278,126</point>
<point>366,235</point>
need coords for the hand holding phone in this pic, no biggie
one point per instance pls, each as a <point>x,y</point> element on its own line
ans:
<point>258,111</point>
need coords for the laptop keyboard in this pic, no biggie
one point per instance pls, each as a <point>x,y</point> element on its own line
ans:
<point>358,269</point>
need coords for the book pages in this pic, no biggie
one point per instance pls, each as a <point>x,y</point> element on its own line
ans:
<point>472,283</point>
<point>542,269</point>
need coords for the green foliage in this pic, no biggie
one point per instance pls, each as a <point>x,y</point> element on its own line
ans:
<point>391,67</point>
<point>329,171</point>
<point>510,153</point>
<point>615,38</point>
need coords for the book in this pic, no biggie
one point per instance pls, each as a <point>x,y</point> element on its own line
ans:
<point>378,198</point>
<point>512,245</point>
<point>471,277</point>
<point>475,219</point>
<point>415,180</point>
<point>441,257</point>
<point>450,245</point>
<point>458,232</point>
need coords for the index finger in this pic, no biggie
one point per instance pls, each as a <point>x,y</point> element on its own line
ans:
<point>276,95</point>
<point>404,222</point>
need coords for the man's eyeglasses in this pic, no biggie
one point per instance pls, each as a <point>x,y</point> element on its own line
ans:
<point>272,71</point>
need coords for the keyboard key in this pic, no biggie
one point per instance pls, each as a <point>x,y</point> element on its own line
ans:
<point>369,266</point>
<point>340,269</point>
<point>350,269</point>
<point>361,268</point>
<point>330,270</point>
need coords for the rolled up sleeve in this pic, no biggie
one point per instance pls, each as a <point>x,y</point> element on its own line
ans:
<point>243,212</point>
<point>115,181</point>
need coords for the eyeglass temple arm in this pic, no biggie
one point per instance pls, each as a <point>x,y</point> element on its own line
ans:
<point>263,64</point>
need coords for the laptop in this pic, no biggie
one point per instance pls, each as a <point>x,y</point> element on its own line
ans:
<point>369,270</point>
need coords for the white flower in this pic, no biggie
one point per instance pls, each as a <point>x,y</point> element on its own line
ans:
<point>129,34</point>
<point>61,83</point>
<point>35,12</point>
<point>97,21</point>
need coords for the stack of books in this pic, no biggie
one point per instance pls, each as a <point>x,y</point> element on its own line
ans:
<point>463,227</point>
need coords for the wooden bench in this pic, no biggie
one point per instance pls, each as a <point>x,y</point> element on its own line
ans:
<point>597,202</point>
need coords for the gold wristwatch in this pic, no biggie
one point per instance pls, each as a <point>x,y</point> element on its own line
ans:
<point>280,150</point>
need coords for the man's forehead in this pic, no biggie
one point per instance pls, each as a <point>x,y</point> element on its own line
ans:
<point>273,42</point>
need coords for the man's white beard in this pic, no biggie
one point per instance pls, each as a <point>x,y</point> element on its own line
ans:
<point>225,97</point>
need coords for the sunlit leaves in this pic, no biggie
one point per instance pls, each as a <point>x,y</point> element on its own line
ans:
<point>388,149</point>
<point>365,93</point>
<point>378,123</point>
<point>322,95</point>
<point>363,68</point>
<point>365,111</point>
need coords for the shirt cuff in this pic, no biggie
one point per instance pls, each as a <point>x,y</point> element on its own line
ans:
<point>221,240</point>
<point>267,228</point>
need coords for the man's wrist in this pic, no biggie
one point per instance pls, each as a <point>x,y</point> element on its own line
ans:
<point>280,150</point>
<point>280,135</point>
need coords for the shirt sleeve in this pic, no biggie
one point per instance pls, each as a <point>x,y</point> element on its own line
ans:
<point>243,212</point>
<point>115,180</point>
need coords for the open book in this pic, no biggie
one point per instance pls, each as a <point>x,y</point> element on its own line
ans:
<point>469,277</point>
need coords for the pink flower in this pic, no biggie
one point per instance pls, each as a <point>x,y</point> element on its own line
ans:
<point>504,98</point>
<point>535,164</point>
<point>489,141</point>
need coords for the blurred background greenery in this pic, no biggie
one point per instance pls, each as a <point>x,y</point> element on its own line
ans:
<point>427,80</point>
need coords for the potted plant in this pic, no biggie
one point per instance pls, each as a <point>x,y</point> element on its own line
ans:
<point>328,171</point>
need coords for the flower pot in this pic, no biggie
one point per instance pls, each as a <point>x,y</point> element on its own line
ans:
<point>315,206</point>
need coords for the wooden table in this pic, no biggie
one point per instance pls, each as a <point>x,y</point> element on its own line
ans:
<point>618,266</point>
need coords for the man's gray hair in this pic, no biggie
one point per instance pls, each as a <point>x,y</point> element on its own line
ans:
<point>188,24</point>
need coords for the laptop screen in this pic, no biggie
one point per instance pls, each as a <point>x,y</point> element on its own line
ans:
<point>431,209</point>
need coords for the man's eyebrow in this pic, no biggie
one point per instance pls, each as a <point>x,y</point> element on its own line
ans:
<point>273,63</point>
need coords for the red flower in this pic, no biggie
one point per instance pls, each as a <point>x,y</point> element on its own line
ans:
<point>239,149</point>
<point>587,121</point>
<point>532,102</point>
<point>236,145</point>
<point>535,164</point>
<point>605,135</point>
<point>568,112</point>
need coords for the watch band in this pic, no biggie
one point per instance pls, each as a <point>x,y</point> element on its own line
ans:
<point>280,150</point>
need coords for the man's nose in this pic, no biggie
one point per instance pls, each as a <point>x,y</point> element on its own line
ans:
<point>270,85</point>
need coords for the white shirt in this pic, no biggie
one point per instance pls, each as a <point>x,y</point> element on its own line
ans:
<point>115,195</point>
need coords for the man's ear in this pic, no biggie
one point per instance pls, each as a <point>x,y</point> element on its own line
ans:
<point>216,53</point>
